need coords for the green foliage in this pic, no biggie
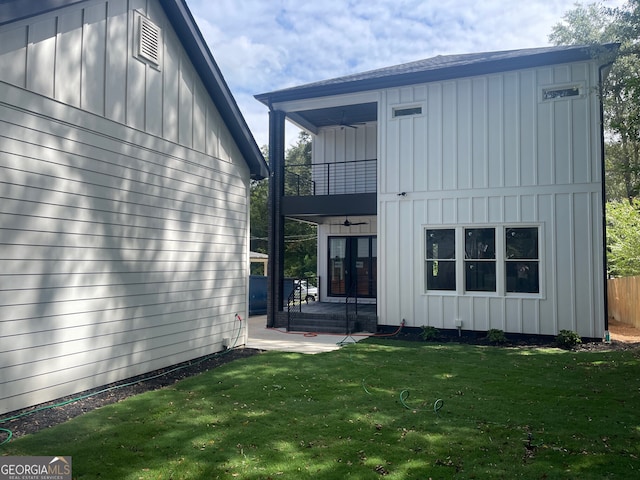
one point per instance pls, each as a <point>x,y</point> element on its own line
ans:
<point>259,215</point>
<point>506,413</point>
<point>300,257</point>
<point>300,237</point>
<point>495,336</point>
<point>623,238</point>
<point>567,339</point>
<point>429,334</point>
<point>595,24</point>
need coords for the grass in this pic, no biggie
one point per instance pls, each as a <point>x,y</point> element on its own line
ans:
<point>367,411</point>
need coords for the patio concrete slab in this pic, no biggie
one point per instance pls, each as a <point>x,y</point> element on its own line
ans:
<point>263,338</point>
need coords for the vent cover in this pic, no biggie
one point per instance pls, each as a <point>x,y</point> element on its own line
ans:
<point>148,41</point>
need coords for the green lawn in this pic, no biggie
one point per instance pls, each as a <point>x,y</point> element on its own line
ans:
<point>367,411</point>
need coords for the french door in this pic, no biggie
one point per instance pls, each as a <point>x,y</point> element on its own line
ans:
<point>353,266</point>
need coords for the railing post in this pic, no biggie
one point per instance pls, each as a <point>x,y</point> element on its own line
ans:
<point>328,178</point>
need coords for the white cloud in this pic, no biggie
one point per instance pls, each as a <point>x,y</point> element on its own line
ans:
<point>262,46</point>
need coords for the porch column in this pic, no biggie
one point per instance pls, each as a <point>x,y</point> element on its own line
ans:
<point>275,280</point>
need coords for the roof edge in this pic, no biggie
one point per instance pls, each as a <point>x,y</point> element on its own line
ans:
<point>187,29</point>
<point>188,32</point>
<point>535,58</point>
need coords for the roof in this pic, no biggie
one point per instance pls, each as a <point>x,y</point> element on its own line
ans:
<point>438,68</point>
<point>194,44</point>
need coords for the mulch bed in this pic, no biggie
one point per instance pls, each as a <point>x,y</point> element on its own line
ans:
<point>44,417</point>
<point>47,417</point>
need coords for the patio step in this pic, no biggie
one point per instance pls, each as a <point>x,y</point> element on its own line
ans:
<point>328,322</point>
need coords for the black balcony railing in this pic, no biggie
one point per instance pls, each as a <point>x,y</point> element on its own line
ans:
<point>337,178</point>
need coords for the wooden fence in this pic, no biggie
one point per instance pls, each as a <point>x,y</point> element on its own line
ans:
<point>624,300</point>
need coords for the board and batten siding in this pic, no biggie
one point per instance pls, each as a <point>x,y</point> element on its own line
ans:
<point>124,207</point>
<point>343,149</point>
<point>489,151</point>
<point>337,145</point>
<point>84,56</point>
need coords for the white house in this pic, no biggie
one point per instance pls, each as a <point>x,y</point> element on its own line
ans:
<point>124,177</point>
<point>458,191</point>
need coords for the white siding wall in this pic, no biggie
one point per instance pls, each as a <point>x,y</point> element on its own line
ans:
<point>488,151</point>
<point>120,251</point>
<point>332,145</point>
<point>83,56</point>
<point>343,147</point>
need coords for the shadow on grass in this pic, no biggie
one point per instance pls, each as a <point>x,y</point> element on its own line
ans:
<point>505,412</point>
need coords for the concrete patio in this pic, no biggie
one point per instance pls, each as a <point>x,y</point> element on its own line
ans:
<point>263,338</point>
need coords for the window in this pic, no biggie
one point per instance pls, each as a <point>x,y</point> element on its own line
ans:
<point>406,111</point>
<point>498,259</point>
<point>441,259</point>
<point>560,92</point>
<point>522,260</point>
<point>480,259</point>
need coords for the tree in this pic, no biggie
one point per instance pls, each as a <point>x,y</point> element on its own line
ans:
<point>595,25</point>
<point>300,237</point>
<point>623,238</point>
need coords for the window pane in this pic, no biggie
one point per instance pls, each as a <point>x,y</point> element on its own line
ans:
<point>480,276</point>
<point>522,243</point>
<point>523,277</point>
<point>441,275</point>
<point>441,244</point>
<point>480,243</point>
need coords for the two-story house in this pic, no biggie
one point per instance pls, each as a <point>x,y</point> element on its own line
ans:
<point>461,191</point>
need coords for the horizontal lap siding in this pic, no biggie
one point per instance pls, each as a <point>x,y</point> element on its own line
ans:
<point>115,259</point>
<point>83,55</point>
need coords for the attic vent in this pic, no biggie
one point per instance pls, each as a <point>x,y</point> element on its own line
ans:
<point>563,92</point>
<point>148,41</point>
<point>406,111</point>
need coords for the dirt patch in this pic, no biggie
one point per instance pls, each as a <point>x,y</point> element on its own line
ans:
<point>621,332</point>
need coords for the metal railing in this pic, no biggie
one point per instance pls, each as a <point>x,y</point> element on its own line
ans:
<point>336,178</point>
<point>304,290</point>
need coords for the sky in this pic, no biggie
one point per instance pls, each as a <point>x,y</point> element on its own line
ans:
<point>266,45</point>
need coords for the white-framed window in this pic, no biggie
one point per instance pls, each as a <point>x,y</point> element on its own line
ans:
<point>522,260</point>
<point>408,110</point>
<point>441,259</point>
<point>562,92</point>
<point>480,259</point>
<point>476,260</point>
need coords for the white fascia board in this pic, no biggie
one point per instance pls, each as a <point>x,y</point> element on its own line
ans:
<point>326,102</point>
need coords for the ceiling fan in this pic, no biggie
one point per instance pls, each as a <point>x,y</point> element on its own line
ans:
<point>343,122</point>
<point>348,223</point>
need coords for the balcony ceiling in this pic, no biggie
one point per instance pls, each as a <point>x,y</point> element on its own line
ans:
<point>343,115</point>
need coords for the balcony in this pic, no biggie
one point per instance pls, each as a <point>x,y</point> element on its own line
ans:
<point>330,189</point>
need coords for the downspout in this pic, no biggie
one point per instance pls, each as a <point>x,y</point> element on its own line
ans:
<point>601,76</point>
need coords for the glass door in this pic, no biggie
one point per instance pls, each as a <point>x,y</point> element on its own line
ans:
<point>353,266</point>
<point>337,266</point>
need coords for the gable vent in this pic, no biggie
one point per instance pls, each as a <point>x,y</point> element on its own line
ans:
<point>148,40</point>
